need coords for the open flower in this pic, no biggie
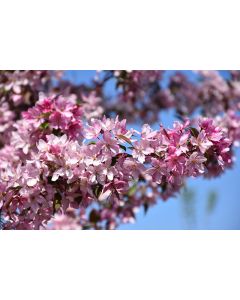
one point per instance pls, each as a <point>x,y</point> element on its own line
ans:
<point>141,149</point>
<point>109,144</point>
<point>106,172</point>
<point>202,142</point>
<point>147,133</point>
<point>158,170</point>
<point>93,130</point>
<point>113,191</point>
<point>195,163</point>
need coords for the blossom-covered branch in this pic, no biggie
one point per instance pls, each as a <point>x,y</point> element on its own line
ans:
<point>65,165</point>
<point>67,162</point>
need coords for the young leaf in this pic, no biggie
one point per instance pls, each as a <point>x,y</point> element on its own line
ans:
<point>145,207</point>
<point>124,138</point>
<point>44,125</point>
<point>97,189</point>
<point>94,216</point>
<point>123,147</point>
<point>57,202</point>
<point>194,132</point>
<point>132,189</point>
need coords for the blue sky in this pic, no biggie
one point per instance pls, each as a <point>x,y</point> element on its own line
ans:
<point>173,214</point>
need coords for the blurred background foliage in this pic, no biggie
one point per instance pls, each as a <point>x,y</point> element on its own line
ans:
<point>188,199</point>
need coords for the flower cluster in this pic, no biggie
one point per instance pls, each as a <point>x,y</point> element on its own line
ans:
<point>20,90</point>
<point>64,166</point>
<point>137,89</point>
<point>97,162</point>
<point>212,93</point>
<point>22,87</point>
<point>58,114</point>
<point>142,96</point>
<point>230,123</point>
<point>163,167</point>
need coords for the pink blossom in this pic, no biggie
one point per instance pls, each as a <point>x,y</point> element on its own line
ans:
<point>195,163</point>
<point>202,142</point>
<point>93,130</point>
<point>141,149</point>
<point>158,170</point>
<point>47,169</point>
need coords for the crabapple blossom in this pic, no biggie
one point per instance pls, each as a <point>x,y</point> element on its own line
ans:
<point>95,170</point>
<point>141,150</point>
<point>63,165</point>
<point>195,163</point>
<point>201,141</point>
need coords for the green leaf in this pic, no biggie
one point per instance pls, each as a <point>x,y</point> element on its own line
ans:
<point>124,74</point>
<point>123,147</point>
<point>115,158</point>
<point>188,197</point>
<point>145,207</point>
<point>86,227</point>
<point>97,189</point>
<point>57,132</point>
<point>78,199</point>
<point>47,114</point>
<point>132,189</point>
<point>94,216</point>
<point>44,125</point>
<point>124,138</point>
<point>164,185</point>
<point>57,202</point>
<point>194,132</point>
<point>211,201</point>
